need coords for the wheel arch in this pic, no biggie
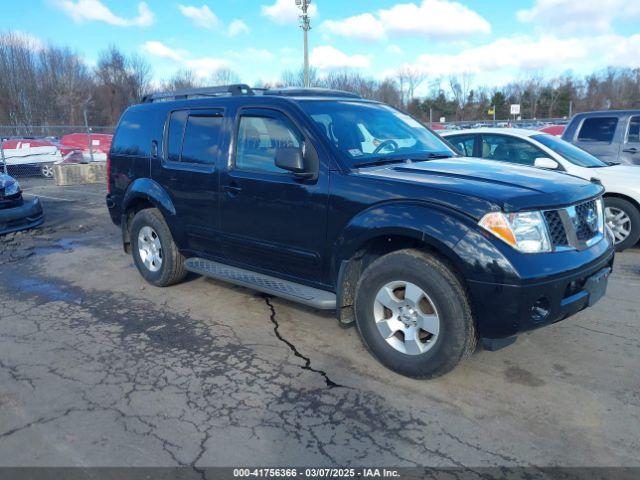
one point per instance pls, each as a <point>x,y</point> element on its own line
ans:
<point>142,194</point>
<point>623,196</point>
<point>435,230</point>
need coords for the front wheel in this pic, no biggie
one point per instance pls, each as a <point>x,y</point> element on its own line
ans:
<point>154,252</point>
<point>623,219</point>
<point>46,170</point>
<point>413,314</point>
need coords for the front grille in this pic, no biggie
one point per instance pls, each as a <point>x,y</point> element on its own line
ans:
<point>584,231</point>
<point>573,226</point>
<point>557,233</point>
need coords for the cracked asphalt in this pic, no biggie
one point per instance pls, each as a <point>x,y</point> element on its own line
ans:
<point>97,368</point>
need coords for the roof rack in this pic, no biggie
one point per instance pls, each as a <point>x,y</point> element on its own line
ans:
<point>183,94</point>
<point>309,92</point>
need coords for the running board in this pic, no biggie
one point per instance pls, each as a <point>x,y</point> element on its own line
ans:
<point>275,286</point>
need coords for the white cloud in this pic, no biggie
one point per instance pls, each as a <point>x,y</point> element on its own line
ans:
<point>159,49</point>
<point>506,57</point>
<point>94,10</point>
<point>443,19</point>
<point>237,27</point>
<point>327,57</point>
<point>22,39</point>
<point>201,66</point>
<point>570,16</point>
<point>364,27</point>
<point>285,11</point>
<point>202,16</point>
<point>394,50</point>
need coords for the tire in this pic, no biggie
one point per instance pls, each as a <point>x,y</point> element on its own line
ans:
<point>151,238</point>
<point>46,170</point>
<point>445,297</point>
<point>627,230</point>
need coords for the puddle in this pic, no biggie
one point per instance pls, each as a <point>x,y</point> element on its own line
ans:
<point>60,245</point>
<point>45,289</point>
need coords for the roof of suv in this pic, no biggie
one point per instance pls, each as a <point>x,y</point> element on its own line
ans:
<point>607,113</point>
<point>242,90</point>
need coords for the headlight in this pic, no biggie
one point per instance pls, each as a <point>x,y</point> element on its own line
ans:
<point>11,189</point>
<point>525,231</point>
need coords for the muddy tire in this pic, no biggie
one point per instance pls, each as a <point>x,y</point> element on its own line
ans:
<point>413,314</point>
<point>154,251</point>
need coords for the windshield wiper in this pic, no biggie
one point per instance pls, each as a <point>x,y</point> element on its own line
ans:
<point>420,158</point>
<point>380,161</point>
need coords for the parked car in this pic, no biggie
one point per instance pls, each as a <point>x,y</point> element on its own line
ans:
<point>555,130</point>
<point>424,252</point>
<point>16,213</point>
<point>612,136</point>
<point>30,156</point>
<point>534,148</point>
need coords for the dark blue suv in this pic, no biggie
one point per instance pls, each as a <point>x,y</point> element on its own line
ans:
<point>341,203</point>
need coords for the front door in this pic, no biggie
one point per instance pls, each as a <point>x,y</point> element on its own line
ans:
<point>188,172</point>
<point>271,219</point>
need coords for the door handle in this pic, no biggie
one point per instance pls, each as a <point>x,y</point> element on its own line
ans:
<point>232,189</point>
<point>631,150</point>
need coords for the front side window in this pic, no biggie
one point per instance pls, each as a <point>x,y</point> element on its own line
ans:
<point>598,129</point>
<point>634,130</point>
<point>463,143</point>
<point>259,138</point>
<point>509,149</point>
<point>365,132</point>
<point>194,137</point>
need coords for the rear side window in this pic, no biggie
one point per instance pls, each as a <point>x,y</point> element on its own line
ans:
<point>194,137</point>
<point>598,129</point>
<point>634,130</point>
<point>134,133</point>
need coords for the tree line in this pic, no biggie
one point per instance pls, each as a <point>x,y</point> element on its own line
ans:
<point>51,85</point>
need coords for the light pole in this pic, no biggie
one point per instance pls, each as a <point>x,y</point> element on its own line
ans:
<point>305,24</point>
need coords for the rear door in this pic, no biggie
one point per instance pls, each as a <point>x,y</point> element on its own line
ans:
<point>630,148</point>
<point>271,219</point>
<point>597,135</point>
<point>193,142</point>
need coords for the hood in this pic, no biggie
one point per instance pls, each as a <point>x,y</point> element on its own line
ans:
<point>511,187</point>
<point>628,173</point>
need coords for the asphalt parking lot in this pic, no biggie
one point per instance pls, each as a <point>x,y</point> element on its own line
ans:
<point>97,368</point>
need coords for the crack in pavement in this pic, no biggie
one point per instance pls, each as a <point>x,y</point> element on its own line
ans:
<point>307,361</point>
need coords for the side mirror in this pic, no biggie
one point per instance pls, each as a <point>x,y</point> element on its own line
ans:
<point>548,163</point>
<point>303,162</point>
<point>291,159</point>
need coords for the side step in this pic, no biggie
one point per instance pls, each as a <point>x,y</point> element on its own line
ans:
<point>275,286</point>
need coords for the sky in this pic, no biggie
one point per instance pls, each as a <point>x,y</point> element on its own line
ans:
<point>493,42</point>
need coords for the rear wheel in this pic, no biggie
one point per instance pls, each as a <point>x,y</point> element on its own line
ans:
<point>623,219</point>
<point>154,252</point>
<point>413,314</point>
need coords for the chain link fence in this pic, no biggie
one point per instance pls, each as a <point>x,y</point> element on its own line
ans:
<point>33,150</point>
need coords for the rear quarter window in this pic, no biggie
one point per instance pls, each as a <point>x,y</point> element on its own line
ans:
<point>134,133</point>
<point>598,129</point>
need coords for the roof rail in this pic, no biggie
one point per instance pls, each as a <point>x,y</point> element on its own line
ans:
<point>309,92</point>
<point>183,94</point>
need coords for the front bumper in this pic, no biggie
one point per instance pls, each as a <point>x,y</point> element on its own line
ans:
<point>506,310</point>
<point>22,217</point>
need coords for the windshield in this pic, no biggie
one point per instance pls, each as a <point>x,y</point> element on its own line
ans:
<point>374,133</point>
<point>572,153</point>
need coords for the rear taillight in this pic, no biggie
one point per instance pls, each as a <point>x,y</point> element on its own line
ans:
<point>108,173</point>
